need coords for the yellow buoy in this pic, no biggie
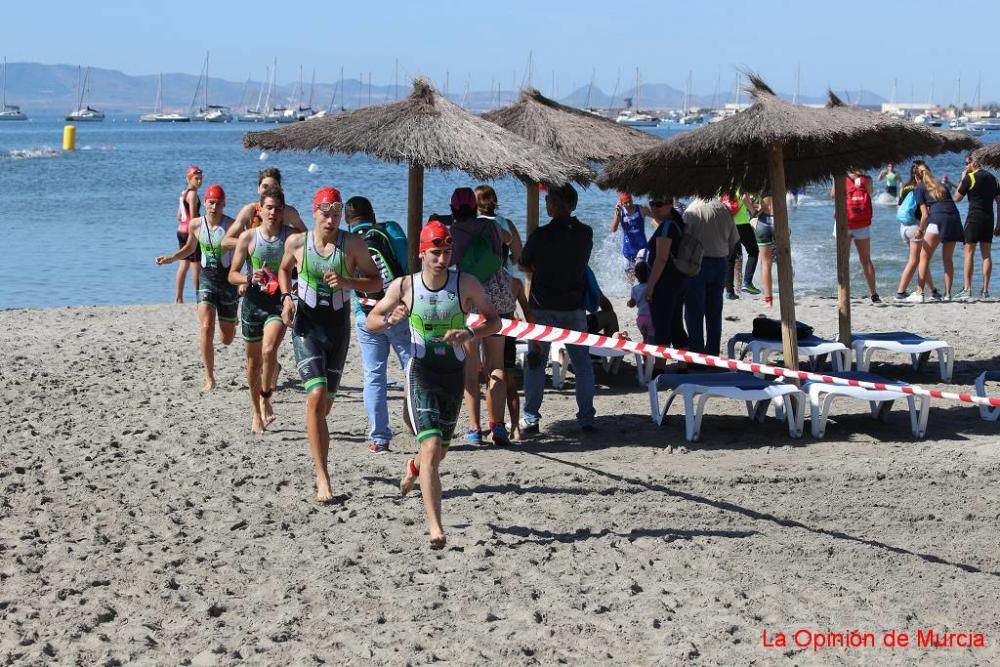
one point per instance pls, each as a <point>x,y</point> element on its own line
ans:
<point>69,138</point>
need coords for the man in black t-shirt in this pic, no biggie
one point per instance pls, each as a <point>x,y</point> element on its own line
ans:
<point>983,192</point>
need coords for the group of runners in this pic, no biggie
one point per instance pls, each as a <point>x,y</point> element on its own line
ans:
<point>280,275</point>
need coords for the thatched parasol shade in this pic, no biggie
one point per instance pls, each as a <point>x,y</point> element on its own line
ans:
<point>764,148</point>
<point>988,156</point>
<point>425,130</point>
<point>575,134</point>
<point>733,153</point>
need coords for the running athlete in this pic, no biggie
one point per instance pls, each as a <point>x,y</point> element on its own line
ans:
<point>261,249</point>
<point>217,299</point>
<point>188,208</point>
<point>632,220</point>
<point>435,301</point>
<point>327,259</point>
<point>250,217</point>
<point>891,178</point>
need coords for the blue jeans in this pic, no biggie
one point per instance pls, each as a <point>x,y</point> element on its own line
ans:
<point>375,359</point>
<point>703,306</point>
<point>583,370</point>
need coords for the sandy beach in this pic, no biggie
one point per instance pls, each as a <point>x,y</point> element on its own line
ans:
<point>141,522</point>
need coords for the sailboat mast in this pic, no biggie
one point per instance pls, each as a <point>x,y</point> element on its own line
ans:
<point>590,88</point>
<point>312,88</point>
<point>798,75</point>
<point>637,90</point>
<point>3,84</point>
<point>206,81</point>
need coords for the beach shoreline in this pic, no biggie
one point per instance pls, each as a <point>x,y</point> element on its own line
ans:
<point>142,522</point>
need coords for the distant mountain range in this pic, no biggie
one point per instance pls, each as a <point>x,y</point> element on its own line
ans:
<point>45,88</point>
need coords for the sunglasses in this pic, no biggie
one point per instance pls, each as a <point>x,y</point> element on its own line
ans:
<point>327,207</point>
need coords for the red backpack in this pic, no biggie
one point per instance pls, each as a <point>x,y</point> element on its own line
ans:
<point>859,203</point>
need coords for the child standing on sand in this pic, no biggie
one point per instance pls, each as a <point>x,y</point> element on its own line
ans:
<point>637,299</point>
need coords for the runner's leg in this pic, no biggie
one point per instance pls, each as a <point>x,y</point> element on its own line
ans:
<point>253,380</point>
<point>206,316</point>
<point>274,333</point>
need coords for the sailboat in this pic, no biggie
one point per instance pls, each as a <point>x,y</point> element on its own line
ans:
<point>8,111</point>
<point>634,117</point>
<point>275,113</point>
<point>252,115</point>
<point>688,117</point>
<point>84,112</point>
<point>210,113</point>
<point>158,116</point>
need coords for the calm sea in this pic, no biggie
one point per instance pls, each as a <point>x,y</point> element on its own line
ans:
<point>84,227</point>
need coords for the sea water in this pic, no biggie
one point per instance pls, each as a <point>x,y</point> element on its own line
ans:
<point>84,227</point>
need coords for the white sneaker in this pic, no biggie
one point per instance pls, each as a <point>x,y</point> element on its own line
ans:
<point>916,297</point>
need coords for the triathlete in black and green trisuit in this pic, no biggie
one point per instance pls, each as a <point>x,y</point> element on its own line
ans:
<point>321,330</point>
<point>330,263</point>
<point>435,374</point>
<point>213,282</point>
<point>434,302</point>
<point>259,307</point>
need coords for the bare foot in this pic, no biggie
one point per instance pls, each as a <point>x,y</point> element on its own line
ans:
<point>179,299</point>
<point>323,493</point>
<point>438,539</point>
<point>410,474</point>
<point>266,411</point>
<point>257,426</point>
<point>209,384</point>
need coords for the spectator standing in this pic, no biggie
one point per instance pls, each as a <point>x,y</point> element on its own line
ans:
<point>711,223</point>
<point>557,255</point>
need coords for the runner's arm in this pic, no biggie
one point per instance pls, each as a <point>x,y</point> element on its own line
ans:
<point>292,245</point>
<point>189,245</point>
<point>475,296</point>
<point>390,309</point>
<point>359,261</point>
<point>236,275</point>
<point>241,224</point>
<point>293,219</point>
<point>616,219</point>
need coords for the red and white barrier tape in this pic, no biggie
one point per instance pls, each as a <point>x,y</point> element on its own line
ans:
<point>547,334</point>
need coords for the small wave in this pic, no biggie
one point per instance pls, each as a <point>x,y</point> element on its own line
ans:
<point>31,153</point>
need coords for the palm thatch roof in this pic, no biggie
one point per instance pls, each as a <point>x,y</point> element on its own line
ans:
<point>733,153</point>
<point>954,141</point>
<point>426,129</point>
<point>988,156</point>
<point>579,135</point>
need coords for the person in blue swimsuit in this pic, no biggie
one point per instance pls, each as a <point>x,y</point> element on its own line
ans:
<point>631,219</point>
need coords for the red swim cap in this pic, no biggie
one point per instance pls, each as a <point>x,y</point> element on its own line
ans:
<point>326,196</point>
<point>624,198</point>
<point>193,170</point>
<point>215,192</point>
<point>434,235</point>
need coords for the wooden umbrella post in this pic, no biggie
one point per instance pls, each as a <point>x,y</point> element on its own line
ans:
<point>782,247</point>
<point>531,220</point>
<point>414,213</point>
<point>843,261</point>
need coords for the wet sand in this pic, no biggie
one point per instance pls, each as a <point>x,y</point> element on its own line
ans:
<point>141,522</point>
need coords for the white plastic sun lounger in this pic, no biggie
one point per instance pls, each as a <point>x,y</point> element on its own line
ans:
<point>559,361</point>
<point>815,348</point>
<point>904,342</point>
<point>697,388</point>
<point>986,412</point>
<point>821,395</point>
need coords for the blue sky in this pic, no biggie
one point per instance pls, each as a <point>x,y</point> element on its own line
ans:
<point>844,45</point>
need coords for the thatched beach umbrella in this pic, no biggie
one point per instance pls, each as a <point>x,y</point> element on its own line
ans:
<point>988,156</point>
<point>949,142</point>
<point>424,130</point>
<point>769,146</point>
<point>578,135</point>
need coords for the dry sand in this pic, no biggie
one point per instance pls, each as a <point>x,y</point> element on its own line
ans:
<point>141,522</point>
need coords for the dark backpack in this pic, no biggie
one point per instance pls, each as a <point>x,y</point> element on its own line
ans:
<point>768,329</point>
<point>382,248</point>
